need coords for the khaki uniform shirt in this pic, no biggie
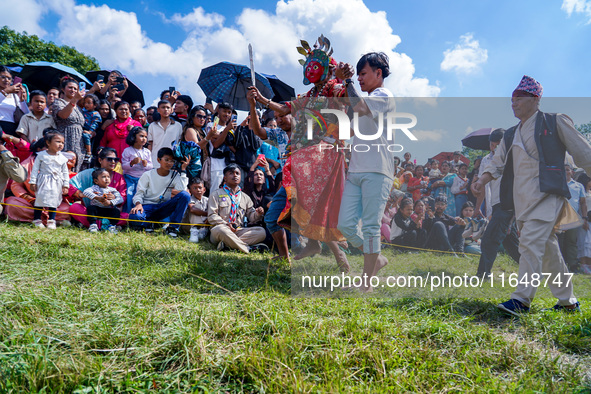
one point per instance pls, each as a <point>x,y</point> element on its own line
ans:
<point>218,211</point>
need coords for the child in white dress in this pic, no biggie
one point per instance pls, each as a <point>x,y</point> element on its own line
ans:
<point>50,178</point>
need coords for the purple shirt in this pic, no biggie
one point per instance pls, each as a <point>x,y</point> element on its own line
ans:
<point>138,169</point>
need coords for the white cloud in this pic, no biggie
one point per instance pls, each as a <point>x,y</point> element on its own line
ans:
<point>466,57</point>
<point>119,41</point>
<point>429,135</point>
<point>577,6</point>
<point>23,15</point>
<point>197,19</point>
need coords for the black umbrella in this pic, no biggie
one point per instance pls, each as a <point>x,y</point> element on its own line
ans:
<point>133,93</point>
<point>46,75</point>
<point>478,139</point>
<point>282,91</point>
<point>229,82</point>
<point>15,67</point>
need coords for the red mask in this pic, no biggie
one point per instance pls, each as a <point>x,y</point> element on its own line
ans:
<point>314,71</point>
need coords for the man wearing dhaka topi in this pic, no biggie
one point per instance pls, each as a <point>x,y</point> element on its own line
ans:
<point>530,159</point>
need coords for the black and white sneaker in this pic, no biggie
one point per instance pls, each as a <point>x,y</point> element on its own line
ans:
<point>260,248</point>
<point>172,232</point>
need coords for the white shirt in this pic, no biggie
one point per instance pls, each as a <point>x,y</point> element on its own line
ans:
<point>162,138</point>
<point>151,186</point>
<point>377,159</point>
<point>216,164</point>
<point>8,106</point>
<point>492,189</point>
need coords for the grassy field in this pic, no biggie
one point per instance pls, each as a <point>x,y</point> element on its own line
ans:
<point>91,313</point>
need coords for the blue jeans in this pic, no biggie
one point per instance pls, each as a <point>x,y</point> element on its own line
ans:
<point>461,199</point>
<point>472,249</point>
<point>131,183</point>
<point>439,238</point>
<point>499,230</point>
<point>86,139</point>
<point>364,197</point>
<point>172,211</point>
<point>275,209</point>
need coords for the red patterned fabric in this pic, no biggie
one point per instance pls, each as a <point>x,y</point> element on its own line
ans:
<point>314,191</point>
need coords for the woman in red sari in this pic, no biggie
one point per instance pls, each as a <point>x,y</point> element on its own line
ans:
<point>116,132</point>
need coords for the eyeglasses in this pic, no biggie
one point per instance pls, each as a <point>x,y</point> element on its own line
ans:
<point>7,77</point>
<point>201,116</point>
<point>112,159</point>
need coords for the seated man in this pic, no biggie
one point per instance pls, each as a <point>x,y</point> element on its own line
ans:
<point>230,210</point>
<point>443,231</point>
<point>161,195</point>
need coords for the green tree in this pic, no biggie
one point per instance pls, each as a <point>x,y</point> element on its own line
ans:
<point>23,48</point>
<point>472,154</point>
<point>585,129</point>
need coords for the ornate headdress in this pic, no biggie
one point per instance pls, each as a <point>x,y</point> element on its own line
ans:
<point>321,53</point>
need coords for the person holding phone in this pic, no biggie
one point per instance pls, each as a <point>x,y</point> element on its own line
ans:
<point>245,144</point>
<point>182,106</point>
<point>69,119</point>
<point>13,103</point>
<point>116,84</point>
<point>260,184</point>
<point>217,131</point>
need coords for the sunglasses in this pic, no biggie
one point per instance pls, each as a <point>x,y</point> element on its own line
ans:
<point>201,116</point>
<point>112,159</point>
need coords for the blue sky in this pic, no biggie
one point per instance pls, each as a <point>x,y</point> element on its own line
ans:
<point>445,49</point>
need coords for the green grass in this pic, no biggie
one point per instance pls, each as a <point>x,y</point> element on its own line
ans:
<point>134,313</point>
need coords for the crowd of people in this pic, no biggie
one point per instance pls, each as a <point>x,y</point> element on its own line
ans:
<point>105,163</point>
<point>430,206</point>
